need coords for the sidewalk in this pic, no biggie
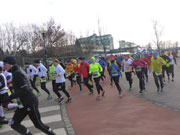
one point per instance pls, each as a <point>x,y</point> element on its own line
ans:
<point>113,115</point>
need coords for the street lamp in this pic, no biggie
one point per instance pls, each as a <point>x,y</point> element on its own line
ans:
<point>43,32</point>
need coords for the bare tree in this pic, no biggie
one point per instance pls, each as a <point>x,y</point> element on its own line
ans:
<point>158,31</point>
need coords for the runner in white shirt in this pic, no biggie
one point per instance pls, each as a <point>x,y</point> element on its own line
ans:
<point>60,82</point>
<point>127,68</point>
<point>42,73</point>
<point>171,64</point>
<point>32,74</point>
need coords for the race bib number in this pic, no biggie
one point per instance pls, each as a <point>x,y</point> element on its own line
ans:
<point>114,73</point>
<point>43,79</point>
<point>138,68</point>
<point>127,69</point>
<point>95,74</point>
<point>158,73</point>
<point>76,73</point>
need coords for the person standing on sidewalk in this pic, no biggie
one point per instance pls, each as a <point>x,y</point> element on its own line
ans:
<point>138,64</point>
<point>84,70</point>
<point>95,70</point>
<point>165,67</point>
<point>115,73</point>
<point>156,66</point>
<point>171,64</point>
<point>77,74</point>
<point>127,68</point>
<point>60,82</point>
<point>32,75</point>
<point>42,73</point>
<point>27,101</point>
<point>103,65</point>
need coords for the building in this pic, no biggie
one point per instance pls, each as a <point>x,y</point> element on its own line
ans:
<point>123,44</point>
<point>96,44</point>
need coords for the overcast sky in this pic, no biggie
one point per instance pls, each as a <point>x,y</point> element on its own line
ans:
<point>129,20</point>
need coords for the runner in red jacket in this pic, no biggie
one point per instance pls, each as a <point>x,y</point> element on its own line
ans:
<point>84,71</point>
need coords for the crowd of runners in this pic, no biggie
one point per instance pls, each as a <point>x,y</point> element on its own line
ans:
<point>16,86</point>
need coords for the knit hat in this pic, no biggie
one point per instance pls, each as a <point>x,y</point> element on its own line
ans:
<point>155,53</point>
<point>80,58</point>
<point>93,58</point>
<point>10,60</point>
<point>37,61</point>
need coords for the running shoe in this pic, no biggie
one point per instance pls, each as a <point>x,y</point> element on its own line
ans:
<point>98,97</point>
<point>158,90</point>
<point>161,90</point>
<point>49,96</point>
<point>81,91</point>
<point>91,92</point>
<point>37,94</point>
<point>120,94</point>
<point>61,99</point>
<point>103,93</point>
<point>172,80</point>
<point>69,100</point>
<point>141,91</point>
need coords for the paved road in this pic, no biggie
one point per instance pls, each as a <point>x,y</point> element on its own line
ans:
<point>171,95</point>
<point>50,113</point>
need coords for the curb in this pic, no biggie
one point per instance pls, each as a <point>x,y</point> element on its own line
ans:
<point>65,118</point>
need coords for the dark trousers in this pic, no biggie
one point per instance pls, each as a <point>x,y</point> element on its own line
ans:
<point>171,70</point>
<point>61,87</point>
<point>110,76</point>
<point>129,78</point>
<point>43,87</point>
<point>156,78</point>
<point>165,69</point>
<point>33,83</point>
<point>35,117</point>
<point>141,80</point>
<point>145,70</point>
<point>116,81</point>
<point>86,82</point>
<point>98,86</point>
<point>78,79</point>
<point>71,79</point>
<point>102,74</point>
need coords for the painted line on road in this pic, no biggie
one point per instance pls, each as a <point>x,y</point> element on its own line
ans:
<point>41,110</point>
<point>28,123</point>
<point>59,131</point>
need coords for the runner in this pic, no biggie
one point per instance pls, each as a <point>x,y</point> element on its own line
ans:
<point>77,74</point>
<point>146,67</point>
<point>138,64</point>
<point>60,82</point>
<point>84,70</point>
<point>42,73</point>
<point>127,68</point>
<point>156,66</point>
<point>32,74</point>
<point>70,73</point>
<point>27,101</point>
<point>103,65</point>
<point>165,67</point>
<point>95,70</point>
<point>115,73</point>
<point>171,64</point>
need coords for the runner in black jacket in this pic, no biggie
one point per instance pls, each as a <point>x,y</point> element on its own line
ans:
<point>27,101</point>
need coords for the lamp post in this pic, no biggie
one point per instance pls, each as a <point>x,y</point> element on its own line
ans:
<point>43,32</point>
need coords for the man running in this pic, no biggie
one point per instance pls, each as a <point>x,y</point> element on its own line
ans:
<point>84,70</point>
<point>60,82</point>
<point>27,101</point>
<point>171,64</point>
<point>115,73</point>
<point>42,73</point>
<point>95,70</point>
<point>103,65</point>
<point>127,68</point>
<point>32,74</point>
<point>138,64</point>
<point>156,66</point>
<point>165,67</point>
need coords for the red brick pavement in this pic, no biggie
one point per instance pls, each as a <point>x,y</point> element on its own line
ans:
<point>113,115</point>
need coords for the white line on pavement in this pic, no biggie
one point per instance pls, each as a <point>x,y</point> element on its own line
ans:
<point>59,131</point>
<point>28,123</point>
<point>42,110</point>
